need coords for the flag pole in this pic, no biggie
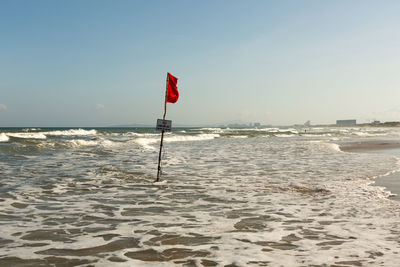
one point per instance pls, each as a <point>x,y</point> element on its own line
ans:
<point>162,133</point>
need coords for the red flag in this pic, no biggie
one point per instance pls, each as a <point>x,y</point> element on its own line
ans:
<point>172,89</point>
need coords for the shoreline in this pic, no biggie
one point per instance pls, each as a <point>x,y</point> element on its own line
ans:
<point>392,181</point>
<point>369,146</point>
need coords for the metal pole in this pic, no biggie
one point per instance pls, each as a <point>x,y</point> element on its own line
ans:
<point>162,133</point>
<point>159,157</point>
<point>165,101</point>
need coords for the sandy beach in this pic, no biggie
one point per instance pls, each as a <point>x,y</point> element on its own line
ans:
<point>370,146</point>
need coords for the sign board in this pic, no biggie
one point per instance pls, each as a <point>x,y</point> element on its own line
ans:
<point>164,125</point>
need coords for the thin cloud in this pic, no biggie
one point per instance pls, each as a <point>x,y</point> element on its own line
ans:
<point>3,107</point>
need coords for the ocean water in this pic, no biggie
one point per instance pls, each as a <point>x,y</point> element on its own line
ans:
<point>228,197</point>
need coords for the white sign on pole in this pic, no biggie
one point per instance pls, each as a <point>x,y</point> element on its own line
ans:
<point>164,125</point>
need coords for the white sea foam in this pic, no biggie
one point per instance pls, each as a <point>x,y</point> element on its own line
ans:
<point>30,129</point>
<point>327,146</point>
<point>27,135</point>
<point>76,132</point>
<point>4,137</point>
<point>146,142</point>
<point>107,143</point>
<point>239,136</point>
<point>292,130</point>
<point>84,143</point>
<point>333,147</point>
<point>293,202</point>
<point>394,170</point>
<point>363,134</point>
<point>270,129</point>
<point>183,138</point>
<point>316,135</point>
<point>80,143</point>
<point>285,135</point>
<point>140,134</point>
<point>212,129</point>
<point>163,182</point>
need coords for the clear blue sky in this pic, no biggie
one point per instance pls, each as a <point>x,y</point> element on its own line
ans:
<point>99,63</point>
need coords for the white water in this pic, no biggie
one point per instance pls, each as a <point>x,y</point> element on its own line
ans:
<point>27,135</point>
<point>292,201</point>
<point>3,137</point>
<point>78,132</point>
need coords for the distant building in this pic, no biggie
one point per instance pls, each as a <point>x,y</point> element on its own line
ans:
<point>346,122</point>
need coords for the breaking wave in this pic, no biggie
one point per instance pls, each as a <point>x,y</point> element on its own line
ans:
<point>81,132</point>
<point>87,143</point>
<point>147,142</point>
<point>279,198</point>
<point>183,138</point>
<point>333,147</point>
<point>140,134</point>
<point>4,137</point>
<point>27,135</point>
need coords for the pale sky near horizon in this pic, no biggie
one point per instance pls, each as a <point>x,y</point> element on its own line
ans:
<point>102,63</point>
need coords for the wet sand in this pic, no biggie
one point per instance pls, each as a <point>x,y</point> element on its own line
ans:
<point>392,181</point>
<point>369,146</point>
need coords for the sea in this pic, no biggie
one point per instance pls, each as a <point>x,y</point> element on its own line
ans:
<point>227,197</point>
